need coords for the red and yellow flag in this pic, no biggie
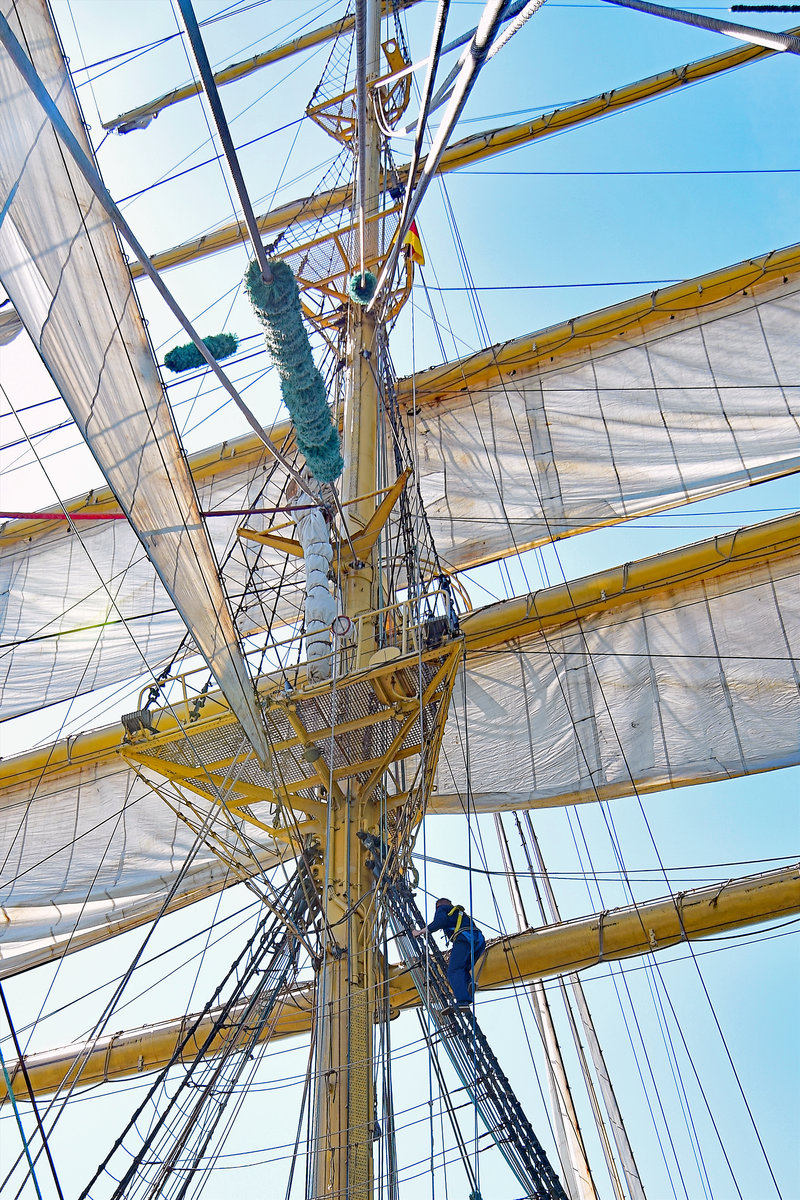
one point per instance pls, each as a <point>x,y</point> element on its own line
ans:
<point>414,245</point>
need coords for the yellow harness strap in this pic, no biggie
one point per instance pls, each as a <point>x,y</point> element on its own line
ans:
<point>457,908</point>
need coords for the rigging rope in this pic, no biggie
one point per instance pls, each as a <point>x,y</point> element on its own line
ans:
<point>265,963</point>
<point>590,657</point>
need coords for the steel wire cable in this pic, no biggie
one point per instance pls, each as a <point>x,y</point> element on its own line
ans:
<point>273,944</point>
<point>465,1044</point>
<point>622,751</point>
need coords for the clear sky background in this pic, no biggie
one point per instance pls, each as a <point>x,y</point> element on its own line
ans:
<point>676,187</point>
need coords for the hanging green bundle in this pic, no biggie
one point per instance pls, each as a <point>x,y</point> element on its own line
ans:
<point>277,306</point>
<point>186,358</point>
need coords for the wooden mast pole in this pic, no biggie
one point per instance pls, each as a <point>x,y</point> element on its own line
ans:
<point>346,995</point>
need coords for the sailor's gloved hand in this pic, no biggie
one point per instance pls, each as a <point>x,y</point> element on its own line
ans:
<point>417,932</point>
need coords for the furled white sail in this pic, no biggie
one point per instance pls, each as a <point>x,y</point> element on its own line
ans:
<point>91,850</point>
<point>83,607</point>
<point>685,401</point>
<point>631,410</point>
<point>659,684</point>
<point>61,266</point>
<point>694,681</point>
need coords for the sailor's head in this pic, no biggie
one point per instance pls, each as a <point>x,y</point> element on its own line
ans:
<point>443,901</point>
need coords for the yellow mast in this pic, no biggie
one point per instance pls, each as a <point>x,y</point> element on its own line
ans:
<point>344,1108</point>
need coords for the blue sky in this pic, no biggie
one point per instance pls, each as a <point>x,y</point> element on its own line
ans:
<point>724,184</point>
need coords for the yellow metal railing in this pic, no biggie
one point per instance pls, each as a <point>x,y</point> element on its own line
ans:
<point>404,627</point>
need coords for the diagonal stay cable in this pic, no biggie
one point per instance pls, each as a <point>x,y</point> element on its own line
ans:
<point>92,177</point>
<point>218,113</point>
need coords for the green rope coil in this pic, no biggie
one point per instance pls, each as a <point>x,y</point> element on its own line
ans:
<point>277,306</point>
<point>185,358</point>
<point>361,287</point>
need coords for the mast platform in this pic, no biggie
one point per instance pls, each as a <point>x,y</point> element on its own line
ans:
<point>377,729</point>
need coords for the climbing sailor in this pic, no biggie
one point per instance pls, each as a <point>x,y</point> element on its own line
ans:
<point>468,944</point>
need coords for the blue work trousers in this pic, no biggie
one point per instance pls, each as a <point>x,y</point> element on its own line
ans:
<point>467,949</point>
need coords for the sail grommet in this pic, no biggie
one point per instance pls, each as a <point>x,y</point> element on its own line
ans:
<point>361,287</point>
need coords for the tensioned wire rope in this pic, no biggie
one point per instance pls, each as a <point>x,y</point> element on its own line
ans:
<point>641,1055</point>
<point>662,981</point>
<point>201,957</point>
<point>380,388</point>
<point>475,837</point>
<point>407,835</point>
<point>86,166</point>
<point>243,971</point>
<point>475,308</point>
<point>406,1049</point>
<point>111,1006</point>
<point>515,988</point>
<point>112,600</point>
<point>124,57</point>
<point>171,173</point>
<point>643,874</point>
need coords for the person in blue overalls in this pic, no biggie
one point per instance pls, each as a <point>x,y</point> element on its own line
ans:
<point>468,944</point>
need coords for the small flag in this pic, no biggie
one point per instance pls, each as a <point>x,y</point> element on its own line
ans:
<point>411,240</point>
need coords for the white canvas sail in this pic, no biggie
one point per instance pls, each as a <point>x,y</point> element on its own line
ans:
<point>61,265</point>
<point>687,401</point>
<point>91,850</point>
<point>84,607</point>
<point>674,397</point>
<point>649,692</point>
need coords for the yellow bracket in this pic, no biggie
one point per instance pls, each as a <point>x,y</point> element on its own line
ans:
<point>363,541</point>
<point>337,114</point>
<point>268,538</point>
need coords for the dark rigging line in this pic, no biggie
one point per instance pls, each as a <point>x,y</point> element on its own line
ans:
<point>31,1093</point>
<point>475,302</point>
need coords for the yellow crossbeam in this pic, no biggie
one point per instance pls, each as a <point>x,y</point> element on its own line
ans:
<point>517,958</point>
<point>239,70</point>
<point>556,606</point>
<point>486,627</point>
<point>551,348</point>
<point>470,150</point>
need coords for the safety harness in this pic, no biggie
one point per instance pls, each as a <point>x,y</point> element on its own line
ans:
<point>458,908</point>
